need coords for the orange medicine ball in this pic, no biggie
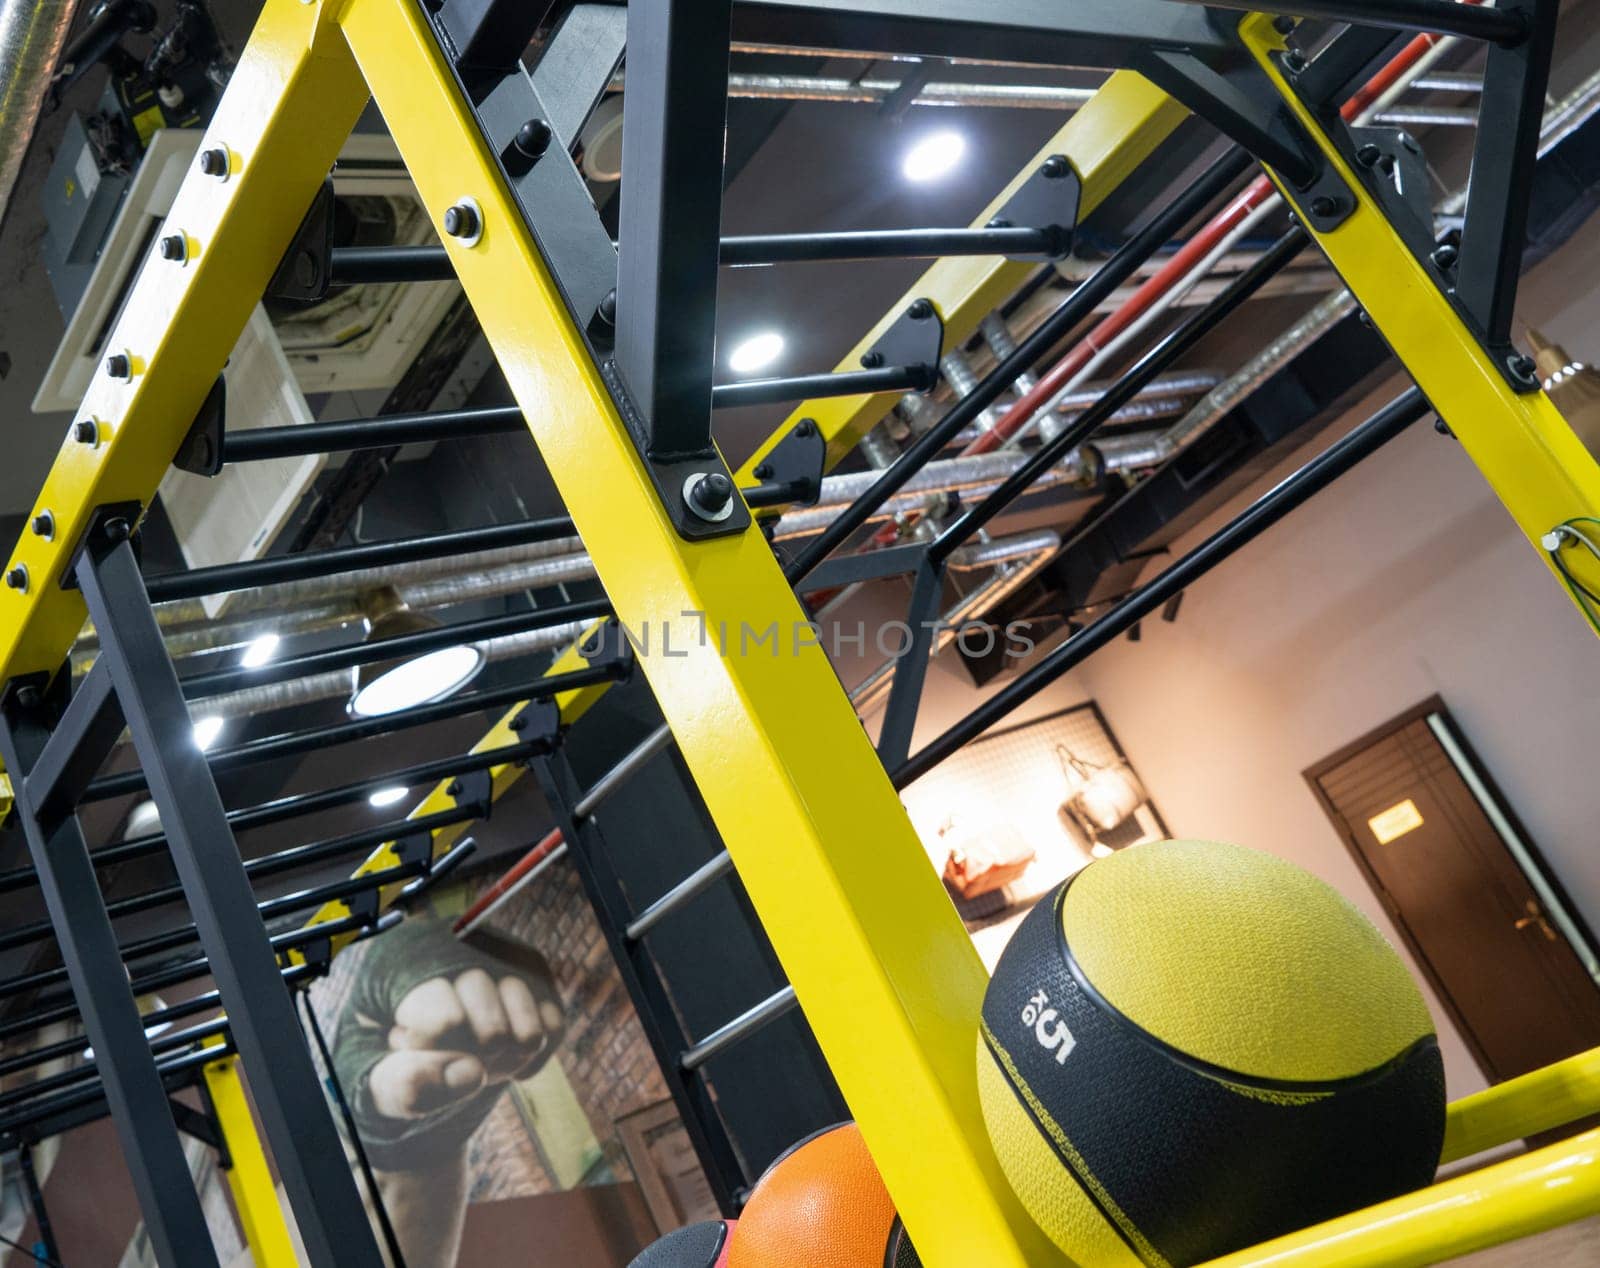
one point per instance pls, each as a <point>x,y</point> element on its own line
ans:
<point>822,1205</point>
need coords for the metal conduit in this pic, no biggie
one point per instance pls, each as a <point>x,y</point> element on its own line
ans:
<point>32,35</point>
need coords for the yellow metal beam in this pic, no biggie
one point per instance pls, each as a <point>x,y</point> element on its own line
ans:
<point>255,1196</point>
<point>817,833</point>
<point>1509,1200</point>
<point>289,106</point>
<point>1552,1097</point>
<point>1529,454</point>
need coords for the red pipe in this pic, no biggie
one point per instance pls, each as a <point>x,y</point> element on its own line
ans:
<point>508,882</point>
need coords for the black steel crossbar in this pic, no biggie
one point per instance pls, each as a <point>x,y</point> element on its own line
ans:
<point>258,444</point>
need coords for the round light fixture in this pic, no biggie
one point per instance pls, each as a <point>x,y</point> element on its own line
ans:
<point>933,157</point>
<point>260,651</point>
<point>144,820</point>
<point>382,797</point>
<point>757,353</point>
<point>207,731</point>
<point>404,682</point>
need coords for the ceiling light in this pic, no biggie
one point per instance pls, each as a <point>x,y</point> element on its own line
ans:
<point>757,353</point>
<point>933,157</point>
<point>207,731</point>
<point>260,651</point>
<point>144,820</point>
<point>387,796</point>
<point>388,686</point>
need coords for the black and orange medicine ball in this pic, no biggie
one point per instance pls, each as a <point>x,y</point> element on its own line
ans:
<point>822,1205</point>
<point>1190,1048</point>
<point>694,1246</point>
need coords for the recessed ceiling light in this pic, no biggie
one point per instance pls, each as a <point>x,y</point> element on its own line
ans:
<point>260,651</point>
<point>207,731</point>
<point>757,353</point>
<point>387,796</point>
<point>421,680</point>
<point>934,156</point>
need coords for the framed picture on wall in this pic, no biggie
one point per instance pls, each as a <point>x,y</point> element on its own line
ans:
<point>1012,815</point>
<point>664,1163</point>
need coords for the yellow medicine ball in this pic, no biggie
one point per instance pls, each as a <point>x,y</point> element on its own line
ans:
<point>1189,1048</point>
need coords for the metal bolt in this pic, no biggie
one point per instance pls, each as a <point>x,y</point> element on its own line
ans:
<point>710,496</point>
<point>872,360</point>
<point>86,431</point>
<point>1444,256</point>
<point>455,788</point>
<point>28,697</point>
<point>1522,367</point>
<point>1442,427</point>
<point>763,471</point>
<point>1324,205</point>
<point>17,577</point>
<point>117,530</point>
<point>118,366</point>
<point>1055,167</point>
<point>607,312</point>
<point>1368,155</point>
<point>43,525</point>
<point>519,723</point>
<point>1000,222</point>
<point>461,221</point>
<point>1294,61</point>
<point>533,138</point>
<point>920,310</point>
<point>174,247</point>
<point>806,427</point>
<point>1283,24</point>
<point>214,162</point>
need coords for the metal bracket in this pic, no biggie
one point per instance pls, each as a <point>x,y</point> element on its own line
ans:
<point>607,647</point>
<point>105,530</point>
<point>1047,200</point>
<point>201,450</point>
<point>538,722</point>
<point>795,466</point>
<point>306,270</point>
<point>473,790</point>
<point>915,341</point>
<point>191,1122</point>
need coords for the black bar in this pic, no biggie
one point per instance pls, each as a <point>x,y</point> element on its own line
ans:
<point>305,1144</point>
<point>1266,511</point>
<point>911,666</point>
<point>328,563</point>
<point>670,219</point>
<point>90,1069</point>
<point>1167,350</point>
<point>1077,306</point>
<point>871,565</point>
<point>276,746</point>
<point>266,865</point>
<point>41,1213</point>
<point>257,444</point>
<point>199,686</point>
<point>1494,231</point>
<point>806,387</point>
<point>885,244</point>
<point>133,1088</point>
<point>1472,22</point>
<point>78,746</point>
<point>358,266</point>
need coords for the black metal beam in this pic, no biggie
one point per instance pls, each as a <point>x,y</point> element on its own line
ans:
<point>287,1093</point>
<point>132,1086</point>
<point>78,746</point>
<point>1261,515</point>
<point>887,244</point>
<point>359,266</point>
<point>806,387</point>
<point>90,1069</point>
<point>260,444</point>
<point>1079,305</point>
<point>1470,21</point>
<point>669,224</point>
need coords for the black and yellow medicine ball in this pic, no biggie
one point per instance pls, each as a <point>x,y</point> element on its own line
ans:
<point>1189,1048</point>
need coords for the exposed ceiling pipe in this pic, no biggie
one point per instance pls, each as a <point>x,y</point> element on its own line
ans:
<point>32,35</point>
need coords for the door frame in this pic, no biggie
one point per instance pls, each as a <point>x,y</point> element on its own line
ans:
<point>1547,877</point>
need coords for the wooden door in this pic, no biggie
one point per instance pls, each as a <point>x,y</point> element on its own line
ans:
<point>1497,936</point>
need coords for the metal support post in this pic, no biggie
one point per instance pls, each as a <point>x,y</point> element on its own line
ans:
<point>261,1015</point>
<point>255,1196</point>
<point>133,1087</point>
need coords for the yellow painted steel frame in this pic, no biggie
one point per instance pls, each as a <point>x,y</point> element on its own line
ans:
<point>1527,452</point>
<point>255,1196</point>
<point>1561,1093</point>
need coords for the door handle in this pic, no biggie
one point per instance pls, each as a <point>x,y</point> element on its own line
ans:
<point>1535,917</point>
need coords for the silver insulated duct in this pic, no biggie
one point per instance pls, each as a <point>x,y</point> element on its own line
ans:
<point>32,34</point>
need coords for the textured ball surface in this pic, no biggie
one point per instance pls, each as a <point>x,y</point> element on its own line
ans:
<point>1192,1047</point>
<point>822,1205</point>
<point>702,1245</point>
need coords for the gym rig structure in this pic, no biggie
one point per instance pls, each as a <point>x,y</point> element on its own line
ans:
<point>609,353</point>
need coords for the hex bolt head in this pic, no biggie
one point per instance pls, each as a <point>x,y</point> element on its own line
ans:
<point>1444,256</point>
<point>1523,367</point>
<point>763,471</point>
<point>461,221</point>
<point>174,247</point>
<point>455,788</point>
<point>519,724</point>
<point>1368,155</point>
<point>1283,24</point>
<point>920,310</point>
<point>1294,61</point>
<point>1055,167</point>
<point>1442,427</point>
<point>43,525</point>
<point>872,360</point>
<point>117,530</point>
<point>533,138</point>
<point>806,427</point>
<point>710,496</point>
<point>214,162</point>
<point>607,312</point>
<point>118,366</point>
<point>86,431</point>
<point>1324,205</point>
<point>17,577</point>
